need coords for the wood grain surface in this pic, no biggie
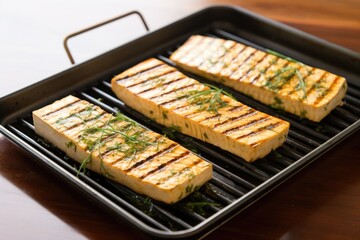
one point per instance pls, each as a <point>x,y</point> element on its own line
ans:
<point>322,201</point>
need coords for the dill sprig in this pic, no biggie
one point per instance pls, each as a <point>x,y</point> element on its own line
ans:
<point>281,78</point>
<point>209,99</point>
<point>97,138</point>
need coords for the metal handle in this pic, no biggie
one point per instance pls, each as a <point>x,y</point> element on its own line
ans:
<point>99,25</point>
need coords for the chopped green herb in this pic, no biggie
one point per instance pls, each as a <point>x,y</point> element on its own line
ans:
<point>71,144</point>
<point>164,115</point>
<point>285,74</point>
<point>303,113</point>
<point>209,99</point>
<point>97,138</point>
<point>278,104</point>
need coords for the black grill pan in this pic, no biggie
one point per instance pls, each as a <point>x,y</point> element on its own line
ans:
<point>236,184</point>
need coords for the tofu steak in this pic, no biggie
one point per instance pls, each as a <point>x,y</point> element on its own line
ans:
<point>167,96</point>
<point>268,77</point>
<point>121,149</point>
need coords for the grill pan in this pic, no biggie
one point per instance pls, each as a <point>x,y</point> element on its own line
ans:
<point>236,184</point>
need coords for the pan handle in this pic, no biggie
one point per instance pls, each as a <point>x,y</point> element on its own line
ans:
<point>99,25</point>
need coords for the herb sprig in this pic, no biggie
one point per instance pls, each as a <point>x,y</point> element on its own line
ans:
<point>209,99</point>
<point>283,75</point>
<point>96,139</point>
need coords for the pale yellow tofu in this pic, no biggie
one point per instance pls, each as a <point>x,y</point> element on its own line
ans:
<point>281,83</point>
<point>167,96</point>
<point>121,149</point>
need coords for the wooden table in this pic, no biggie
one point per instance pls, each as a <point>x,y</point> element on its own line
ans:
<point>320,202</point>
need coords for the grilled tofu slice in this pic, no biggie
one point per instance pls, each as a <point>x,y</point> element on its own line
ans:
<point>272,79</point>
<point>169,97</point>
<point>121,149</point>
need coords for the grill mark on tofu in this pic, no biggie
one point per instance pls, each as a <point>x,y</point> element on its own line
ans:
<point>313,87</point>
<point>84,121</point>
<point>61,108</point>
<point>109,151</point>
<point>211,117</point>
<point>245,61</point>
<point>248,113</point>
<point>192,47</point>
<point>260,73</point>
<point>237,61</point>
<point>172,101</point>
<point>237,108</point>
<point>304,79</point>
<point>326,91</point>
<point>235,56</point>
<point>161,74</point>
<point>252,68</point>
<point>163,165</point>
<point>270,127</point>
<point>282,79</point>
<point>189,58</point>
<point>247,125</point>
<point>149,158</point>
<point>207,53</point>
<point>162,84</point>
<point>76,130</point>
<point>149,69</point>
<point>182,171</point>
<point>115,137</point>
<point>218,58</point>
<point>172,91</point>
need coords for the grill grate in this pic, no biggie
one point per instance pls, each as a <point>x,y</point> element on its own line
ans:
<point>233,177</point>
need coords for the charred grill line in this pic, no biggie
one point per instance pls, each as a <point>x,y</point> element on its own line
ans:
<point>184,154</point>
<point>329,89</point>
<point>249,57</point>
<point>250,112</point>
<point>258,131</point>
<point>282,84</point>
<point>141,72</point>
<point>259,73</point>
<point>192,48</point>
<point>85,121</point>
<point>139,163</point>
<point>304,78</point>
<point>237,55</point>
<point>172,91</point>
<point>219,57</point>
<point>174,100</point>
<point>163,84</point>
<point>170,70</point>
<point>251,69</point>
<point>63,107</point>
<point>249,124</point>
<point>210,117</point>
<point>212,41</point>
<point>317,81</point>
<point>109,150</point>
<point>235,108</point>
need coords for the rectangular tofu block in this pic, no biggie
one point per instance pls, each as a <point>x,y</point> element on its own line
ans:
<point>121,149</point>
<point>167,96</point>
<point>268,77</point>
